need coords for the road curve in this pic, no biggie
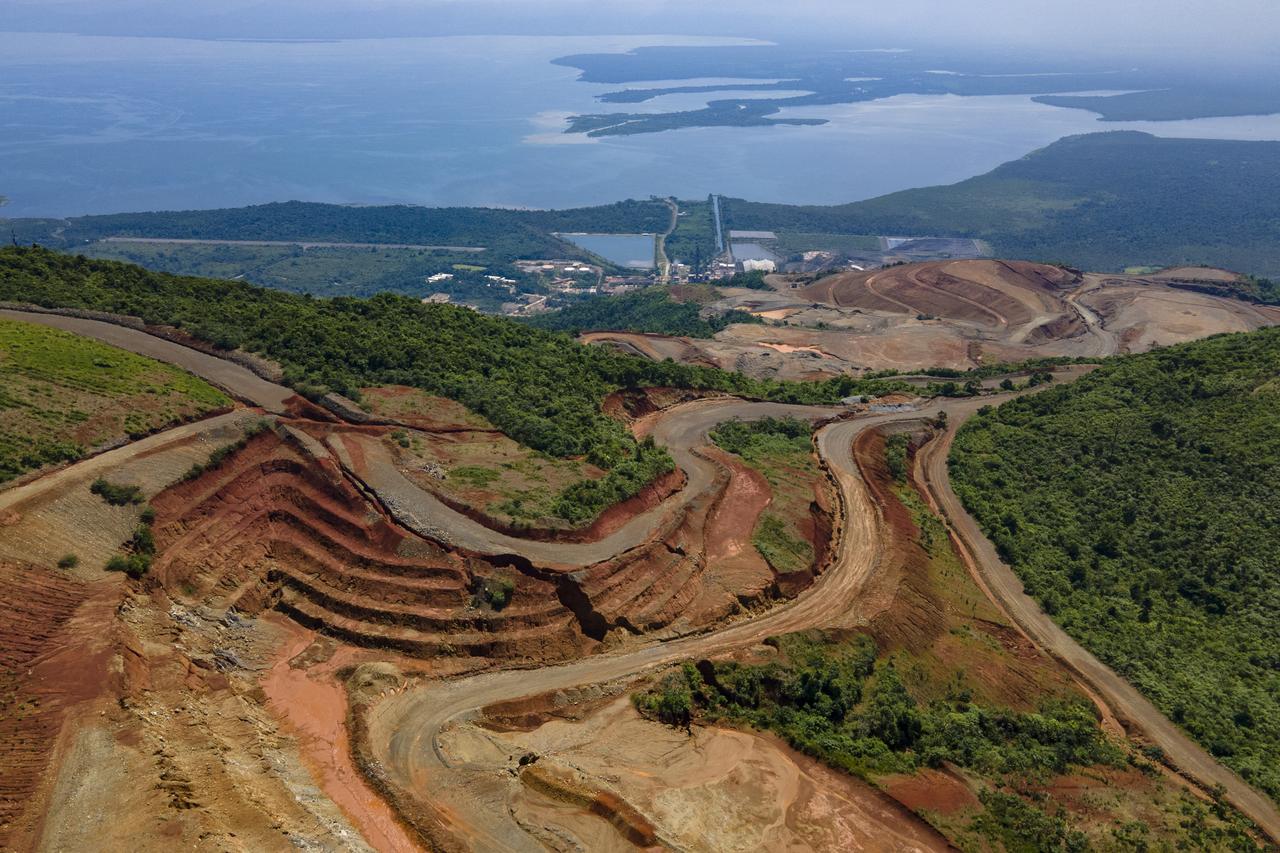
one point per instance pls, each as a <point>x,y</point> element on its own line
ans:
<point>1122,697</point>
<point>403,729</point>
<point>235,379</point>
<point>424,513</point>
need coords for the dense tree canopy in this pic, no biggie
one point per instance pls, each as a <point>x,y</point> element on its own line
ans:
<point>649,310</point>
<point>1141,507</point>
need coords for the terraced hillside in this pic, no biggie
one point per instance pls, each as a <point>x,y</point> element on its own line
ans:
<point>286,522</point>
<point>1015,297</point>
<point>62,396</point>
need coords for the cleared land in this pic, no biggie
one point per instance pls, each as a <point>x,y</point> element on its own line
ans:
<point>63,395</point>
<point>429,618</point>
<point>950,314</point>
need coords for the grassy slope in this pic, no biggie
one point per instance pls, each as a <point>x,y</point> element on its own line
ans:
<point>62,395</point>
<point>483,468</point>
<point>1139,505</point>
<point>1100,201</point>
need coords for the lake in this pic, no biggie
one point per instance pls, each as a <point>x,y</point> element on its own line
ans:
<point>100,124</point>
<point>627,250</point>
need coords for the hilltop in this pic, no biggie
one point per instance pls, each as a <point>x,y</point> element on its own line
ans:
<point>1102,201</point>
<point>1156,548</point>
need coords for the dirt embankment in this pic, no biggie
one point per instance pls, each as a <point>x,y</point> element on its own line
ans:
<point>1006,294</point>
<point>52,654</point>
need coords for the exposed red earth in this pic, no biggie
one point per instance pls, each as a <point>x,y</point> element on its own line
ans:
<point>316,655</point>
<point>953,314</point>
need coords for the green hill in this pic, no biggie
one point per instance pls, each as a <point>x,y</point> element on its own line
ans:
<point>1141,506</point>
<point>649,310</point>
<point>542,389</point>
<point>63,395</point>
<point>1100,201</point>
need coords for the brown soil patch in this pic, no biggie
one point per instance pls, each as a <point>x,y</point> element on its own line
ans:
<point>50,661</point>
<point>730,526</point>
<point>420,410</point>
<point>1197,274</point>
<point>714,790</point>
<point>935,791</point>
<point>984,293</point>
<point>1149,315</point>
<point>313,706</point>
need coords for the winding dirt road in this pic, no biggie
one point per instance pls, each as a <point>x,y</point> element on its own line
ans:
<point>1122,697</point>
<point>424,513</point>
<point>404,728</point>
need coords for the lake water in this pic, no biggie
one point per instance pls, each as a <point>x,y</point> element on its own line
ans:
<point>96,124</point>
<point>627,250</point>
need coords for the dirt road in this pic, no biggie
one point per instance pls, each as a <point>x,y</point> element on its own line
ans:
<point>404,729</point>
<point>239,381</point>
<point>1122,697</point>
<point>423,513</point>
<point>1104,341</point>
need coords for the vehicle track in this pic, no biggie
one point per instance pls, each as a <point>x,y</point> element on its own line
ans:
<point>424,513</point>
<point>404,729</point>
<point>1122,697</point>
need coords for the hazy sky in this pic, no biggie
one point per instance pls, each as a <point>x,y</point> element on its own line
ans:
<point>1218,30</point>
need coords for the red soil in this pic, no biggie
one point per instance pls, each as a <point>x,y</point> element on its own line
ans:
<point>274,526</point>
<point>903,608</point>
<point>313,707</point>
<point>53,653</point>
<point>928,790</point>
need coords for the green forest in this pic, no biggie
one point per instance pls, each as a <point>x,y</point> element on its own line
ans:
<point>650,310</point>
<point>1139,505</point>
<point>514,233</point>
<point>541,388</point>
<point>1101,201</point>
<point>839,699</point>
